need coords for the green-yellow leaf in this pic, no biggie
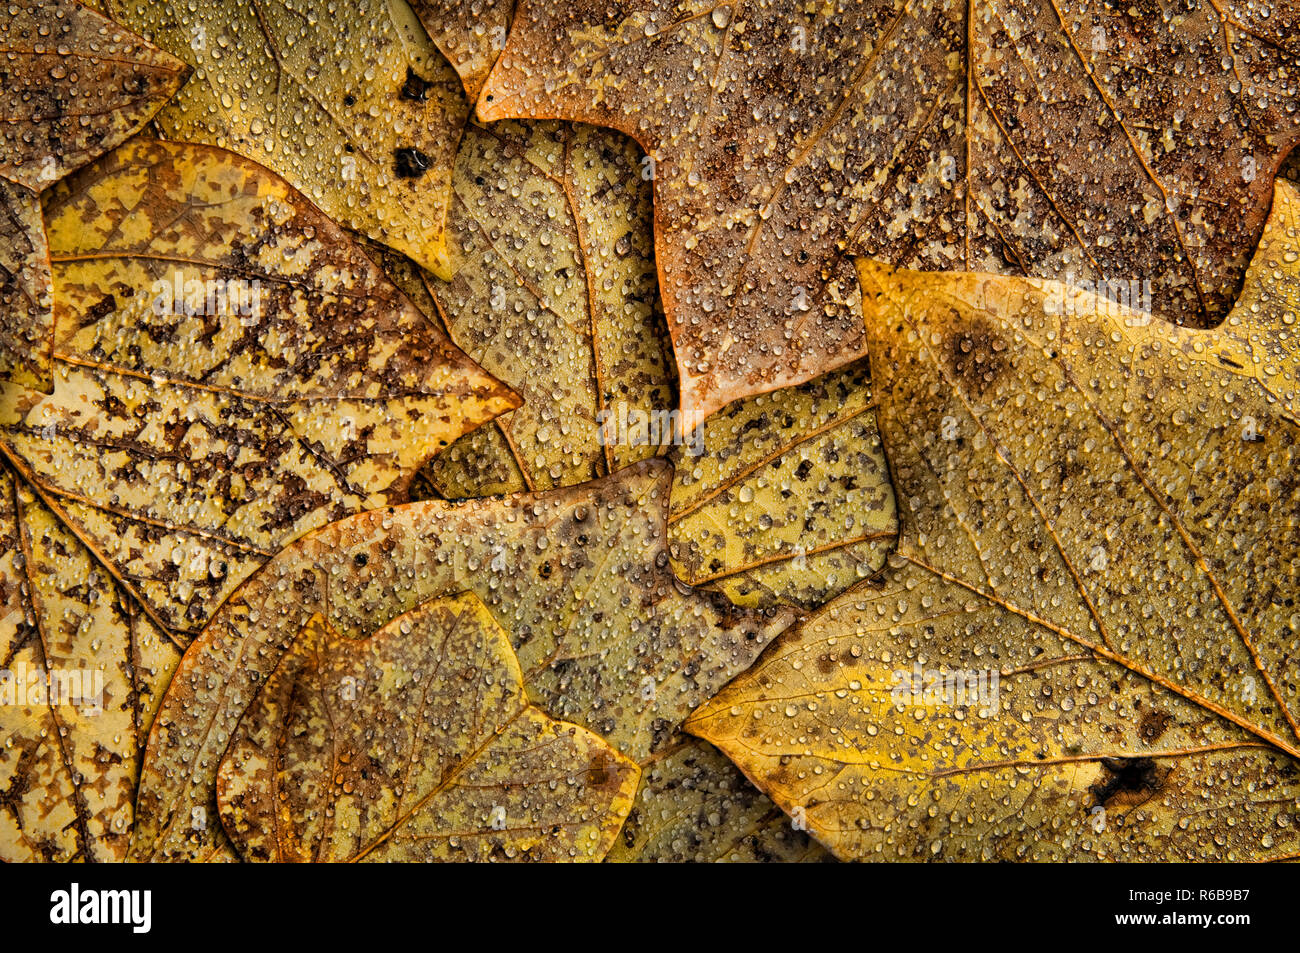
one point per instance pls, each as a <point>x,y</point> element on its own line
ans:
<point>1086,648</point>
<point>606,637</point>
<point>415,744</point>
<point>352,104</point>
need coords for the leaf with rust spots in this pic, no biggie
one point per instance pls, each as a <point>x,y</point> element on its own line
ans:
<point>782,498</point>
<point>73,745</point>
<point>790,500</point>
<point>694,806</point>
<point>1103,142</point>
<point>606,637</point>
<point>1085,648</point>
<point>416,744</point>
<point>470,33</point>
<point>74,86</point>
<point>232,371</point>
<point>555,290</point>
<point>352,104</point>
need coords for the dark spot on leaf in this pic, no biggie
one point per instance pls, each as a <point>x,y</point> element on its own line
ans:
<point>410,163</point>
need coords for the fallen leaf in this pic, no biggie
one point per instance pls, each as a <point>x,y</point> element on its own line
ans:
<point>1087,647</point>
<point>232,371</point>
<point>694,806</point>
<point>353,105</point>
<point>555,289</point>
<point>605,635</point>
<point>790,500</point>
<point>75,86</point>
<point>82,671</point>
<point>415,744</point>
<point>1112,145</point>
<point>782,498</point>
<point>470,33</point>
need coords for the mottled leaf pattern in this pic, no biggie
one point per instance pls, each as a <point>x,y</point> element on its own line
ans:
<point>1090,512</point>
<point>1115,144</point>
<point>415,744</point>
<point>195,429</point>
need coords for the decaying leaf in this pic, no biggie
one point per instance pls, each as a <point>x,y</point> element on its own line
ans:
<point>231,372</point>
<point>1113,144</point>
<point>605,635</point>
<point>415,744</point>
<point>82,671</point>
<point>74,86</point>
<point>694,806</point>
<point>790,500</point>
<point>1087,648</point>
<point>470,33</point>
<point>782,498</point>
<point>555,289</point>
<point>352,104</point>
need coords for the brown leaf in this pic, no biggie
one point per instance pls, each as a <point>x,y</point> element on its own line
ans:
<point>470,33</point>
<point>75,85</point>
<point>1086,647</point>
<point>1091,144</point>
<point>415,744</point>
<point>232,371</point>
<point>605,635</point>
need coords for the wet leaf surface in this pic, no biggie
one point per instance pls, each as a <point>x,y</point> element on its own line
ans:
<point>694,806</point>
<point>470,33</point>
<point>232,371</point>
<point>74,86</point>
<point>1082,142</point>
<point>83,673</point>
<point>415,744</point>
<point>353,105</point>
<point>1097,511</point>
<point>605,636</point>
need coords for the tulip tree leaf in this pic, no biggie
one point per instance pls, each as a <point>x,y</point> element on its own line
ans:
<point>352,104</point>
<point>232,371</point>
<point>75,85</point>
<point>1114,144</point>
<point>606,637</point>
<point>1086,646</point>
<point>415,744</point>
<point>73,743</point>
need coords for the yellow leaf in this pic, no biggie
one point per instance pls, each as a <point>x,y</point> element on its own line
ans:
<point>606,637</point>
<point>232,371</point>
<point>470,33</point>
<point>1117,143</point>
<point>781,498</point>
<point>694,806</point>
<point>415,744</point>
<point>82,671</point>
<point>790,500</point>
<point>76,85</point>
<point>1086,647</point>
<point>352,104</point>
